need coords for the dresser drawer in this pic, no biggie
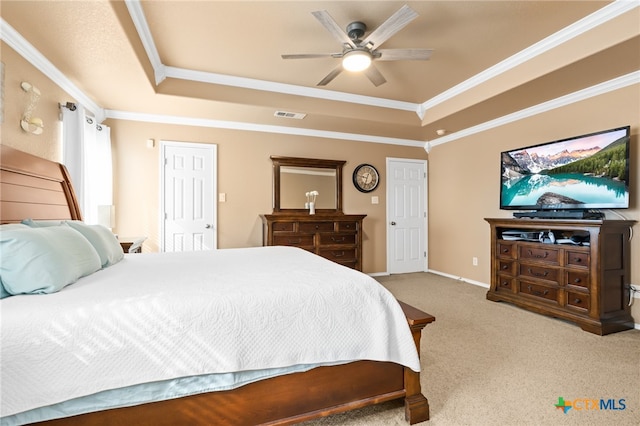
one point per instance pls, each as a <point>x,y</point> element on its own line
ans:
<point>282,226</point>
<point>578,300</point>
<point>506,250</point>
<point>579,279</point>
<point>334,238</point>
<point>578,259</point>
<point>293,240</point>
<point>505,283</point>
<point>338,255</point>
<point>507,267</point>
<point>539,272</point>
<point>315,226</point>
<point>547,293</point>
<point>540,254</point>
<point>347,226</point>
<point>337,237</point>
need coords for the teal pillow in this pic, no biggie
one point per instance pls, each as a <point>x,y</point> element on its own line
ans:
<point>3,292</point>
<point>102,239</point>
<point>41,223</point>
<point>44,260</point>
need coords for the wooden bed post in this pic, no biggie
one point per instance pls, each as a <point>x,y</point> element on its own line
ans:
<point>416,405</point>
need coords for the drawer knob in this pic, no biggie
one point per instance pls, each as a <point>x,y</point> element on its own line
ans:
<point>337,240</point>
<point>505,250</point>
<point>577,280</point>
<point>317,226</point>
<point>340,254</point>
<point>577,259</point>
<point>505,267</point>
<point>577,301</point>
<point>298,241</point>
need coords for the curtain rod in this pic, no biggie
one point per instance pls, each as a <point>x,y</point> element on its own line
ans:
<point>69,105</point>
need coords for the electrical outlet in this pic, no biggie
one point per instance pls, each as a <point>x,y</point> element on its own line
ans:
<point>474,261</point>
<point>222,197</point>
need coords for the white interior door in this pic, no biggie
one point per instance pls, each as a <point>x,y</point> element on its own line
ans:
<point>406,215</point>
<point>189,194</point>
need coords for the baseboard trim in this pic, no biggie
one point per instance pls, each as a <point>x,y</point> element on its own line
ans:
<point>458,278</point>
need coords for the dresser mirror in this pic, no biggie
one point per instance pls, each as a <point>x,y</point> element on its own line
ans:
<point>294,177</point>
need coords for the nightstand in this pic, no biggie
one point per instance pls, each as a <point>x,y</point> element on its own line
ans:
<point>131,244</point>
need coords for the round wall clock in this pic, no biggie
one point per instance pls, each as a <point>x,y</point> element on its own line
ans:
<point>366,178</point>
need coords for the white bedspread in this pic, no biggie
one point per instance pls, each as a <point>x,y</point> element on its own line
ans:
<point>165,315</point>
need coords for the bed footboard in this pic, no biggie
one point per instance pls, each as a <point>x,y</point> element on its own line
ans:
<point>287,399</point>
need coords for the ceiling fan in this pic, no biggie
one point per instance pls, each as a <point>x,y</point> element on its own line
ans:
<point>358,54</point>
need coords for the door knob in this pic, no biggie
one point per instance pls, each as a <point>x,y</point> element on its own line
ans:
<point>208,226</point>
<point>393,223</point>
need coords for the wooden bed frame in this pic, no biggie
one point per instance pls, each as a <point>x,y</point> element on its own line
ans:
<point>32,187</point>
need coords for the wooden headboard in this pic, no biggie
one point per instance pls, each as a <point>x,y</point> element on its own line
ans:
<point>36,188</point>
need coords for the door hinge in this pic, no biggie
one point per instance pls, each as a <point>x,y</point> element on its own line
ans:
<point>425,254</point>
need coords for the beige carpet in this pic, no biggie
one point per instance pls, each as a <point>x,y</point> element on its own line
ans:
<point>488,363</point>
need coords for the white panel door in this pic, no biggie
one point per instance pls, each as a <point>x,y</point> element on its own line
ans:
<point>406,215</point>
<point>189,192</point>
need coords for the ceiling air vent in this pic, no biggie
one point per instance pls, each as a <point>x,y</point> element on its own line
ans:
<point>285,114</point>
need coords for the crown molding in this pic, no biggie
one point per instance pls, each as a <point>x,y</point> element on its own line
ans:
<point>582,26</point>
<point>580,95</point>
<point>25,49</point>
<point>253,127</point>
<point>140,22</point>
<point>289,89</point>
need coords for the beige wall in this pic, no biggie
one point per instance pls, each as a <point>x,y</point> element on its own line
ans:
<point>17,70</point>
<point>245,176</point>
<point>464,180</point>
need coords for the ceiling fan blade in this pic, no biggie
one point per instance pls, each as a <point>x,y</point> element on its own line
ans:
<point>333,74</point>
<point>395,23</point>
<point>309,55</point>
<point>374,75</point>
<point>328,22</point>
<point>404,54</point>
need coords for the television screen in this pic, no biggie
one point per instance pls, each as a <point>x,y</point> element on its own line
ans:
<point>583,172</point>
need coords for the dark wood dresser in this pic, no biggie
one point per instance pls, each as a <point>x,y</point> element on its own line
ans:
<point>337,237</point>
<point>577,270</point>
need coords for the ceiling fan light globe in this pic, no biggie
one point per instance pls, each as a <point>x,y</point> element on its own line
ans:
<point>357,60</point>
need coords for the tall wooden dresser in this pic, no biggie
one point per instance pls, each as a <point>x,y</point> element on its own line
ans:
<point>337,237</point>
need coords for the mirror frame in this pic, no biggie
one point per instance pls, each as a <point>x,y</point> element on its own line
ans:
<point>279,161</point>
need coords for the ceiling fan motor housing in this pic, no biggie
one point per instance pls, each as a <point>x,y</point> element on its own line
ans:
<point>355,30</point>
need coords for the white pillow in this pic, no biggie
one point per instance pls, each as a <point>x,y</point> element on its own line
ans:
<point>44,260</point>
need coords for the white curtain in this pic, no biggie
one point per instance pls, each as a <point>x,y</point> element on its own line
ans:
<point>86,151</point>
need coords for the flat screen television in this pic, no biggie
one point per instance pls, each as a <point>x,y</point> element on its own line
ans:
<point>581,173</point>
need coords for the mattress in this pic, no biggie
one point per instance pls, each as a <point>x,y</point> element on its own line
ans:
<point>163,316</point>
